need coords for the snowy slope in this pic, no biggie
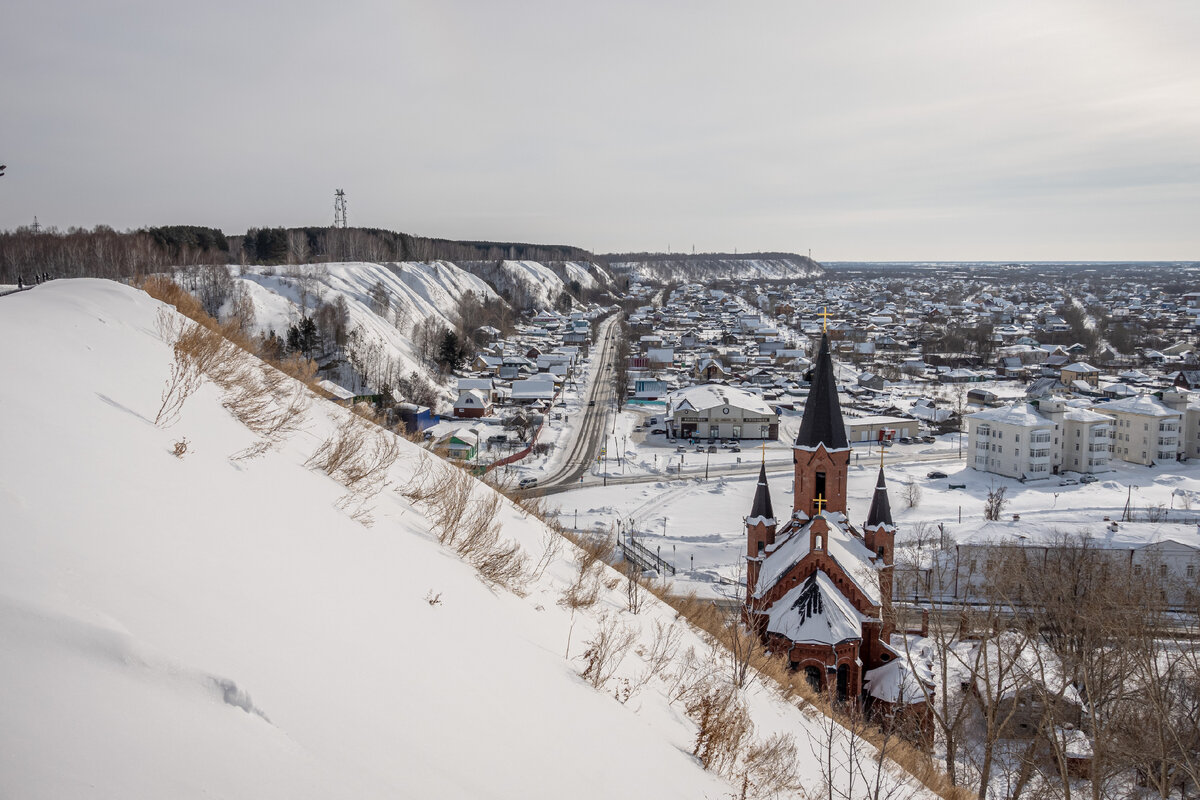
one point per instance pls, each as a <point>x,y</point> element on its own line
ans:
<point>672,270</point>
<point>416,291</point>
<point>589,276</point>
<point>530,285</point>
<point>199,626</point>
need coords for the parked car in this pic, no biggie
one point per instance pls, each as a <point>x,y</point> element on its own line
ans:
<point>526,483</point>
<point>680,449</point>
<point>712,448</point>
<point>657,430</point>
<point>1088,479</point>
<point>929,438</point>
<point>905,440</point>
<point>735,449</point>
<point>1068,482</point>
<point>936,474</point>
<point>591,403</point>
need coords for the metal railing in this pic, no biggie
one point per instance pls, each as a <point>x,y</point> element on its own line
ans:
<point>637,553</point>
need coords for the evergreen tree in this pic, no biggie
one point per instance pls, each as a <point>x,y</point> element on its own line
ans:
<point>303,337</point>
<point>451,353</point>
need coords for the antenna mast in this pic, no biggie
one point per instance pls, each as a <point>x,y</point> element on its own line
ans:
<point>339,209</point>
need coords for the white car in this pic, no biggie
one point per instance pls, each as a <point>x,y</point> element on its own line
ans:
<point>526,483</point>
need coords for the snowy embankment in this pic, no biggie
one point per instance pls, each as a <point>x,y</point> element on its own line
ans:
<point>205,625</point>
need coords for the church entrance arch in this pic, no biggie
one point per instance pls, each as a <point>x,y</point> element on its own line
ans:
<point>813,676</point>
<point>843,679</point>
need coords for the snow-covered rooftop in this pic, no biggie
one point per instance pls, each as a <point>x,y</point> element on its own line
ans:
<point>815,612</point>
<point>1022,414</point>
<point>713,395</point>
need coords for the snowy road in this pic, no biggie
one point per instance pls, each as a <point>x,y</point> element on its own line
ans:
<point>600,397</point>
<point>714,471</point>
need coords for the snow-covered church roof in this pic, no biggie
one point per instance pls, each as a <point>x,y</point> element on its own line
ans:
<point>815,612</point>
<point>843,546</point>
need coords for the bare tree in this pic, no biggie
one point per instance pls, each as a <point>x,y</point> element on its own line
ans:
<point>993,506</point>
<point>911,494</point>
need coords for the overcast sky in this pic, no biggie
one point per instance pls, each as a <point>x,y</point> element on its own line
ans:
<point>864,131</point>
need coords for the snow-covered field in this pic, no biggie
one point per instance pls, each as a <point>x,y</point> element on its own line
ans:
<point>203,626</point>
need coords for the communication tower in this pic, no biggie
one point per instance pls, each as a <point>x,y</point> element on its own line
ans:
<point>339,209</point>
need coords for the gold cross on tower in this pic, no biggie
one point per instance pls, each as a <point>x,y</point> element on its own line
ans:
<point>820,502</point>
<point>825,318</point>
<point>764,449</point>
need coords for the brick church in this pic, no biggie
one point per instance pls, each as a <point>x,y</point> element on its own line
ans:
<point>818,588</point>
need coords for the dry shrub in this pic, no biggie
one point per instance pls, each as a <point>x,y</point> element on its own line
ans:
<point>590,580</point>
<point>770,768</point>
<point>339,449</point>
<point>180,448</point>
<point>606,651</point>
<point>723,725</point>
<point>182,381</point>
<point>552,545</point>
<point>466,521</point>
<point>168,291</point>
<point>448,496</point>
<point>661,653</point>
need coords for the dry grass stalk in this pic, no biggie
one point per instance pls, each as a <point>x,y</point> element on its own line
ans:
<point>722,725</point>
<point>589,581</point>
<point>465,520</point>
<point>606,651</point>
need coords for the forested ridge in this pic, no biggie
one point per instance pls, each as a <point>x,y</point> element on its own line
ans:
<point>107,253</point>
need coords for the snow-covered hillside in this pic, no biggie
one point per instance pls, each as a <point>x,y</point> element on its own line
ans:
<point>716,268</point>
<point>209,626</point>
<point>415,292</point>
<point>532,285</point>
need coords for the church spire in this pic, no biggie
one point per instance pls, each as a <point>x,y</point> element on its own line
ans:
<point>762,499</point>
<point>822,422</point>
<point>881,507</point>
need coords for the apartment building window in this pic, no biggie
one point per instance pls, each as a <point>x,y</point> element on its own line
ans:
<point>1191,570</point>
<point>1162,570</point>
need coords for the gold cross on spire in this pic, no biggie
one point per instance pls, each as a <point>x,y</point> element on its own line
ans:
<point>820,502</point>
<point>881,458</point>
<point>764,454</point>
<point>825,318</point>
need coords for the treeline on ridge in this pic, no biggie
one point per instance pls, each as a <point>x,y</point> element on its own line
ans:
<point>106,253</point>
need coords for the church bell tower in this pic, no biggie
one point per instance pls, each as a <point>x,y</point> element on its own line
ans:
<point>821,453</point>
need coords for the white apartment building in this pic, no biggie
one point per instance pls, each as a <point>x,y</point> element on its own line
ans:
<point>1144,429</point>
<point>1084,436</point>
<point>1016,441</point>
<point>1189,436</point>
